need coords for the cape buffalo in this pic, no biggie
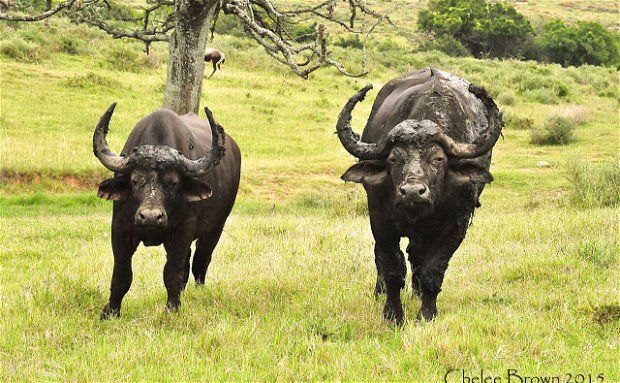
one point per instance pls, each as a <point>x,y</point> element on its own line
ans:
<point>424,158</point>
<point>172,184</point>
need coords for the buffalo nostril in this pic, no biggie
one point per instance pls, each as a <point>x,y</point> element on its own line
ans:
<point>141,215</point>
<point>160,215</point>
<point>402,190</point>
<point>421,189</point>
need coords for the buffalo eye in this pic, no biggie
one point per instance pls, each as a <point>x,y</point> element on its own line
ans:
<point>392,160</point>
<point>438,160</point>
<point>136,184</point>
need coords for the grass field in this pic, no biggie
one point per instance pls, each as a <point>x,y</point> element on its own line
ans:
<point>534,287</point>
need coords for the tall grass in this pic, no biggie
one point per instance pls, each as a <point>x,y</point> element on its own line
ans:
<point>594,185</point>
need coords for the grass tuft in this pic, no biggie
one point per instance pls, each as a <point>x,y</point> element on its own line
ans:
<point>594,186</point>
<point>91,80</point>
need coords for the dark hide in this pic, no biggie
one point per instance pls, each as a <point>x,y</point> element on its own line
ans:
<point>155,203</point>
<point>418,191</point>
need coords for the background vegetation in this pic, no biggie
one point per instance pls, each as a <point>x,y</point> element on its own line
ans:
<point>288,295</point>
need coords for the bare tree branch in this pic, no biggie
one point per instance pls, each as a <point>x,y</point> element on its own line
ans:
<point>68,5</point>
<point>266,23</point>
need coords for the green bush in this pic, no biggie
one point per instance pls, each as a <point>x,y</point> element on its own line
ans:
<point>487,29</point>
<point>517,122</point>
<point>389,45</point>
<point>594,186</point>
<point>91,80</point>
<point>506,97</point>
<point>71,45</point>
<point>21,50</point>
<point>304,33</point>
<point>557,130</point>
<point>446,44</point>
<point>351,41</point>
<point>585,43</point>
<point>128,58</point>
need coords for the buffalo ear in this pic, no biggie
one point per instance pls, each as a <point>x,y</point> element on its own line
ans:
<point>367,171</point>
<point>462,173</point>
<point>194,191</point>
<point>114,189</point>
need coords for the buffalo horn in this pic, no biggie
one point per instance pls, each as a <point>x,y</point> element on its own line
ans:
<point>101,149</point>
<point>487,140</point>
<point>195,168</point>
<point>349,139</point>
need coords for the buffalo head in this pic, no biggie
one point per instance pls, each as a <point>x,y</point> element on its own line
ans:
<point>155,183</point>
<point>417,159</point>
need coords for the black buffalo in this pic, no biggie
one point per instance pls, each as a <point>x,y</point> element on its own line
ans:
<point>172,184</point>
<point>424,159</point>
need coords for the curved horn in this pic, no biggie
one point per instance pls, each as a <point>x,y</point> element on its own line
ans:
<point>101,149</point>
<point>349,139</point>
<point>487,140</point>
<point>195,168</point>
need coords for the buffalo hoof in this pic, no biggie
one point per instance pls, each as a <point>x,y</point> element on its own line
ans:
<point>393,314</point>
<point>173,307</point>
<point>426,315</point>
<point>108,313</point>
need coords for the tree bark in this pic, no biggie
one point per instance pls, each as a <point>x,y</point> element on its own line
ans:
<point>186,64</point>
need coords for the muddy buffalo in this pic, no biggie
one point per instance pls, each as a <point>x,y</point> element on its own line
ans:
<point>175,181</point>
<point>424,159</point>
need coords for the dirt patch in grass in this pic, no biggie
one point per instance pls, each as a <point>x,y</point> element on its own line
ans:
<point>606,314</point>
<point>12,180</point>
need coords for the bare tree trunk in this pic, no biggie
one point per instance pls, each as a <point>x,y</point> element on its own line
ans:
<point>185,63</point>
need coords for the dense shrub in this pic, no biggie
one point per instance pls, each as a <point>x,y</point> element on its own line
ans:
<point>487,29</point>
<point>556,130</point>
<point>20,50</point>
<point>91,80</point>
<point>585,43</point>
<point>351,41</point>
<point>126,57</point>
<point>517,122</point>
<point>71,45</point>
<point>593,186</point>
<point>304,32</point>
<point>446,44</point>
<point>506,97</point>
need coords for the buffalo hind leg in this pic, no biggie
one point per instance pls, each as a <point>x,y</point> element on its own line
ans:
<point>186,269</point>
<point>122,274</point>
<point>416,262</point>
<point>204,251</point>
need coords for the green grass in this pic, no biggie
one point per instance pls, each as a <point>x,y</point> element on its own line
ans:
<point>288,295</point>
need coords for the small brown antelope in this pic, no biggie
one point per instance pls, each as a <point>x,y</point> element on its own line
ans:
<point>216,57</point>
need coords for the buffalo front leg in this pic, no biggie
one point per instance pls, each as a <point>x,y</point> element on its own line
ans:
<point>174,271</point>
<point>393,270</point>
<point>122,274</point>
<point>432,260</point>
